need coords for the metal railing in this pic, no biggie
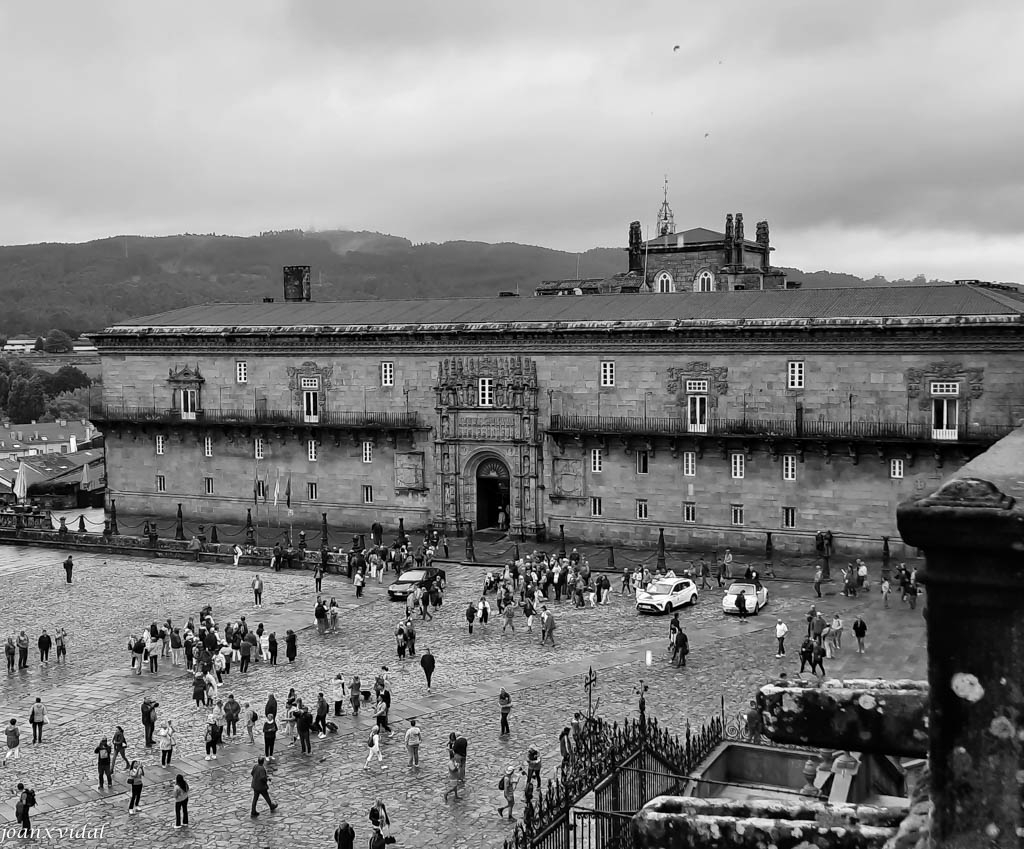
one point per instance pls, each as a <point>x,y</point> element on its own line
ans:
<point>792,428</point>
<point>256,416</point>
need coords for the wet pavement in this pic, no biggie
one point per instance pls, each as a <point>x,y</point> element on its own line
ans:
<point>113,596</point>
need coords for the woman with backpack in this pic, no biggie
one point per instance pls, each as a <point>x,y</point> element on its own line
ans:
<point>103,763</point>
<point>212,737</point>
<point>136,772</point>
<point>507,785</point>
<point>373,744</point>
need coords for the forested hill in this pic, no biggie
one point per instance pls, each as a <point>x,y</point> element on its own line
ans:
<point>83,287</point>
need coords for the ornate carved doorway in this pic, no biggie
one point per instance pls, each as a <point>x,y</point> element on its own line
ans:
<point>492,494</point>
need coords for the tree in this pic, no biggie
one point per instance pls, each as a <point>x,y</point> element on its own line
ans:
<point>40,345</point>
<point>65,379</point>
<point>25,400</point>
<point>69,405</point>
<point>57,342</point>
<point>5,386</point>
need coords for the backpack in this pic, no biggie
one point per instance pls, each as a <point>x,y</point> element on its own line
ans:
<point>501,783</point>
<point>30,798</point>
<point>369,741</point>
<point>140,646</point>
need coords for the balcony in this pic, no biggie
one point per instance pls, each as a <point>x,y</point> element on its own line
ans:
<point>654,426</point>
<point>253,417</point>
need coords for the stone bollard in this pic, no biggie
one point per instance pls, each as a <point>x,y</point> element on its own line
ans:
<point>972,533</point>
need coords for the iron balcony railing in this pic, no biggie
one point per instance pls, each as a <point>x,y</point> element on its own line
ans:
<point>806,429</point>
<point>257,416</point>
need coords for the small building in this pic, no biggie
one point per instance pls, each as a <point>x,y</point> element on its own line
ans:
<point>64,436</point>
<point>57,481</point>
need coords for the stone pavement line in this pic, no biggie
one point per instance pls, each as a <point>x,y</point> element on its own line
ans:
<point>86,792</point>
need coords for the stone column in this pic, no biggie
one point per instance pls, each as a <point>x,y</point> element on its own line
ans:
<point>972,533</point>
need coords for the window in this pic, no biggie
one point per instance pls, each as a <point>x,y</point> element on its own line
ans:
<point>310,387</point>
<point>689,463</point>
<point>697,409</point>
<point>241,372</point>
<point>642,462</point>
<point>690,511</point>
<point>261,489</point>
<point>641,508</point>
<point>896,469</point>
<point>699,387</point>
<point>189,404</point>
<point>311,450</point>
<point>258,447</point>
<point>367,494</point>
<point>311,491</point>
<point>596,460</point>
<point>208,446</point>
<point>795,374</point>
<point>596,507</point>
<point>208,486</point>
<point>944,418</point>
<point>161,444</point>
<point>705,282</point>
<point>387,374</point>
<point>739,463</point>
<point>663,283</point>
<point>367,452</point>
<point>789,467</point>
<point>607,373</point>
<point>946,388</point>
<point>161,483</point>
<point>485,392</point>
<point>789,517</point>
<point>737,514</point>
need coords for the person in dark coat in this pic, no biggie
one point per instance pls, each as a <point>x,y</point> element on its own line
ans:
<point>428,663</point>
<point>291,643</point>
<point>68,568</point>
<point>345,836</point>
<point>270,709</point>
<point>260,786</point>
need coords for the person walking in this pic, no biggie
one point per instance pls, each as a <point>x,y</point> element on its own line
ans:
<point>461,749</point>
<point>38,717</point>
<point>681,648</point>
<point>13,735</point>
<point>818,658</point>
<point>120,746</point>
<point>533,763</point>
<point>180,800</point>
<point>272,648</point>
<point>69,567</point>
<point>860,629</point>
<point>322,709</point>
<point>260,785</point>
<point>413,738</point>
<point>817,581</point>
<point>136,773</point>
<point>26,800</point>
<point>471,616</point>
<point>886,591</point>
<point>507,785</point>
<point>507,615</point>
<point>167,741</point>
<point>781,629</point>
<point>807,654</point>
<point>373,743</point>
<point>10,650</point>
<point>505,707</point>
<point>104,760</point>
<point>427,663</point>
<point>547,626</point>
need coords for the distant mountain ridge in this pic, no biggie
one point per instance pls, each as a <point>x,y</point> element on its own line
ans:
<point>83,287</point>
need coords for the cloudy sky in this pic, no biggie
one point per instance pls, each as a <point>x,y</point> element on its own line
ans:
<point>876,137</point>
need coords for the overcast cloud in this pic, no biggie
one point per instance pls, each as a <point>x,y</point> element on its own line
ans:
<point>875,137</point>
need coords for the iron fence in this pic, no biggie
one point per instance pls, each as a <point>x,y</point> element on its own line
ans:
<point>256,416</point>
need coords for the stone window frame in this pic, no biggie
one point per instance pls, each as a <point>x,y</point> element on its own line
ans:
<point>796,372</point>
<point>738,465</point>
<point>485,392</point>
<point>312,450</point>
<point>160,443</point>
<point>788,518</point>
<point>367,491</point>
<point>596,460</point>
<point>643,462</point>
<point>689,464</point>
<point>607,374</point>
<point>664,283</point>
<point>312,491</point>
<point>596,506</point>
<point>897,467</point>
<point>207,446</point>
<point>241,371</point>
<point>160,483</point>
<point>737,515</point>
<point>259,448</point>
<point>209,485</point>
<point>642,509</point>
<point>789,467</point>
<point>704,281</point>
<point>387,373</point>
<point>690,512</point>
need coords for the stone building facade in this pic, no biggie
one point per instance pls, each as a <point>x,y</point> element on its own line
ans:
<point>718,418</point>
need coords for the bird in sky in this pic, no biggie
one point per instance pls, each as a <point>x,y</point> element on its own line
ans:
<point>706,135</point>
<point>676,50</point>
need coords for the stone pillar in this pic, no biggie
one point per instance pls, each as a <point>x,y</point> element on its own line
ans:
<point>971,530</point>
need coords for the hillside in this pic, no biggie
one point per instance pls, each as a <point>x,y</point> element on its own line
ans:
<point>84,287</point>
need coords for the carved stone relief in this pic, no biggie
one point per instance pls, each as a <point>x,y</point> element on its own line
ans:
<point>716,376</point>
<point>971,379</point>
<point>567,477</point>
<point>514,378</point>
<point>409,470</point>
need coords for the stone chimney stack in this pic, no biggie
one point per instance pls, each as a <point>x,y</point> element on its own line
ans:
<point>297,285</point>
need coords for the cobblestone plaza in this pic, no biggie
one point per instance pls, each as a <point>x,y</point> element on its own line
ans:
<point>95,691</point>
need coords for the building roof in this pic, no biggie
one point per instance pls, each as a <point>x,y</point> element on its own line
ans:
<point>917,304</point>
<point>696,236</point>
<point>51,467</point>
<point>16,436</point>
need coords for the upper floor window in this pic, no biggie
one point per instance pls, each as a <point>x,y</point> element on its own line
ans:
<point>161,444</point>
<point>664,282</point>
<point>596,507</point>
<point>258,448</point>
<point>485,392</point>
<point>312,450</point>
<point>189,404</point>
<point>738,465</point>
<point>896,469</point>
<point>208,446</point>
<point>241,372</point>
<point>607,373</point>
<point>367,452</point>
<point>596,460</point>
<point>795,374</point>
<point>642,462</point>
<point>641,508</point>
<point>705,282</point>
<point>310,387</point>
<point>312,491</point>
<point>789,467</point>
<point>699,387</point>
<point>387,374</point>
<point>161,483</point>
<point>208,486</point>
<point>949,389</point>
<point>689,463</point>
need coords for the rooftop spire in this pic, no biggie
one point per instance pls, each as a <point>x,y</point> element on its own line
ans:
<point>666,221</point>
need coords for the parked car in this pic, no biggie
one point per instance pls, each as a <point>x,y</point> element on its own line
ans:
<point>666,594</point>
<point>412,578</point>
<point>757,597</point>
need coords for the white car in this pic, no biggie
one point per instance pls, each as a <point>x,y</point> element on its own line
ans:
<point>666,594</point>
<point>757,597</point>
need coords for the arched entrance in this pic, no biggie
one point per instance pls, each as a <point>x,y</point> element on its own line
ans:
<point>492,493</point>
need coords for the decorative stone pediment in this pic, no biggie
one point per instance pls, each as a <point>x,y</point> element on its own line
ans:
<point>716,376</point>
<point>310,369</point>
<point>971,380</point>
<point>185,375</point>
<point>514,380</point>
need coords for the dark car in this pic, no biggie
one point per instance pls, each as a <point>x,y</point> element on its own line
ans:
<point>412,578</point>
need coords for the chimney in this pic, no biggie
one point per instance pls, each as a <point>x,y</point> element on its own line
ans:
<point>72,445</point>
<point>636,254</point>
<point>297,283</point>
